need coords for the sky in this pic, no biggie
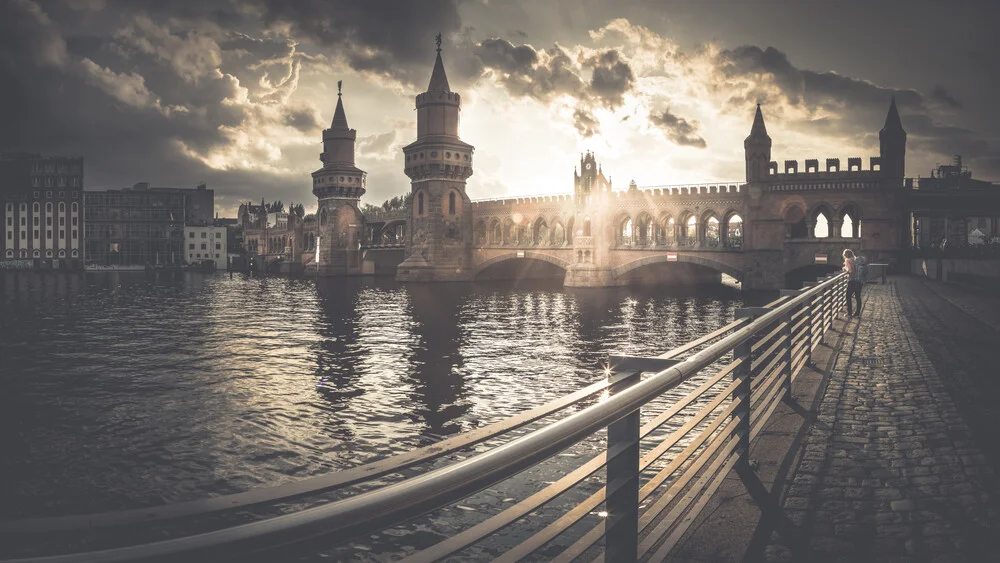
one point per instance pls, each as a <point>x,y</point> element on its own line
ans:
<point>236,93</point>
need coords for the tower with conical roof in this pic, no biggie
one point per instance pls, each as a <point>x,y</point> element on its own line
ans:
<point>757,150</point>
<point>892,144</point>
<point>338,186</point>
<point>439,241</point>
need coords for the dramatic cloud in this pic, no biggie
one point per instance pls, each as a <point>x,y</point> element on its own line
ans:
<point>678,129</point>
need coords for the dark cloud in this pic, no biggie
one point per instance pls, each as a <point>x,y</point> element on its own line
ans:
<point>941,96</point>
<point>677,129</point>
<point>523,71</point>
<point>585,122</point>
<point>611,78</point>
<point>304,119</point>
<point>385,37</point>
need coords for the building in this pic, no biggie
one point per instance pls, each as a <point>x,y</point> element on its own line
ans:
<point>143,226</point>
<point>951,210</point>
<point>42,220</point>
<point>206,243</point>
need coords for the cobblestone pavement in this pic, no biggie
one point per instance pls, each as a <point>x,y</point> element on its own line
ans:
<point>890,470</point>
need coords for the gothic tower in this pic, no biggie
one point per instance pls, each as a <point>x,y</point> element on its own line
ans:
<point>892,144</point>
<point>338,186</point>
<point>757,149</point>
<point>439,241</point>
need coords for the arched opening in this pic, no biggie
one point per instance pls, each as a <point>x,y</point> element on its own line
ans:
<point>689,235</point>
<point>541,234</point>
<point>712,231</point>
<point>669,229</point>
<point>521,269</point>
<point>734,231</point>
<point>451,203</point>
<point>569,231</point>
<point>625,231</point>
<point>420,204</point>
<point>48,207</point>
<point>586,227</point>
<point>643,231</point>
<point>496,233</point>
<point>821,227</point>
<point>558,234</point>
<point>509,232</point>
<point>62,207</point>
<point>322,216</point>
<point>850,222</point>
<point>795,222</point>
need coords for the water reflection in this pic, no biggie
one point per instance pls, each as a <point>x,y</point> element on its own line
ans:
<point>124,389</point>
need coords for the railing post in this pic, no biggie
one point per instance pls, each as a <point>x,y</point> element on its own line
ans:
<point>621,528</point>
<point>743,374</point>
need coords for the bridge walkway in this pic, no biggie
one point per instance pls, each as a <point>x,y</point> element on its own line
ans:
<point>898,464</point>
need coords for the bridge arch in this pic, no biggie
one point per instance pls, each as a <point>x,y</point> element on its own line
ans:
<point>716,265</point>
<point>526,254</point>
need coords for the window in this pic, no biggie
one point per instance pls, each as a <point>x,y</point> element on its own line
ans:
<point>10,235</point>
<point>10,208</point>
<point>48,207</point>
<point>218,246</point>
<point>23,221</point>
<point>197,255</point>
<point>48,221</point>
<point>191,246</point>
<point>74,207</point>
<point>420,203</point>
<point>451,203</point>
<point>36,233</point>
<point>62,253</point>
<point>24,208</point>
<point>203,246</point>
<point>35,207</point>
<point>62,233</point>
<point>62,221</point>
<point>62,207</point>
<point>48,233</point>
<point>74,234</point>
<point>74,221</point>
<point>203,235</point>
<point>191,234</point>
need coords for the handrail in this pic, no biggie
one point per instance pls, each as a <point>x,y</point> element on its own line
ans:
<point>398,502</point>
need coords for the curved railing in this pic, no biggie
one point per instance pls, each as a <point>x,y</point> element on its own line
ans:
<point>761,353</point>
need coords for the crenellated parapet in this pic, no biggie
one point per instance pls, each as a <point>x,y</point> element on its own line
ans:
<point>834,176</point>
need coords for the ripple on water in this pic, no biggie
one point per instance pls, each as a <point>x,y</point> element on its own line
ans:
<point>129,391</point>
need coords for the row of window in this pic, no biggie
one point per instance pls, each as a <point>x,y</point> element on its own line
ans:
<point>203,235</point>
<point>38,254</point>
<point>218,246</point>
<point>35,207</point>
<point>48,234</point>
<point>452,203</point>
<point>207,255</point>
<point>51,182</point>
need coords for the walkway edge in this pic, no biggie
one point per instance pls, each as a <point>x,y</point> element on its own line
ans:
<point>736,506</point>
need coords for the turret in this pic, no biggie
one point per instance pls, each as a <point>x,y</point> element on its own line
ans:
<point>339,177</point>
<point>892,144</point>
<point>757,149</point>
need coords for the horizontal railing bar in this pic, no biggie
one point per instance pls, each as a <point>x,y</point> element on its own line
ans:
<point>535,542</point>
<point>519,510</point>
<point>728,437</point>
<point>800,324</point>
<point>710,336</point>
<point>766,372</point>
<point>775,383</point>
<point>304,487</point>
<point>398,502</point>
<point>717,477</point>
<point>765,339</point>
<point>757,425</point>
<point>755,363</point>
<point>766,384</point>
<point>595,534</point>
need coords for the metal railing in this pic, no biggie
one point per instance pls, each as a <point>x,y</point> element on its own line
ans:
<point>711,428</point>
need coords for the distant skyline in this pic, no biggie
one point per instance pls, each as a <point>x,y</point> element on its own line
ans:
<point>236,93</point>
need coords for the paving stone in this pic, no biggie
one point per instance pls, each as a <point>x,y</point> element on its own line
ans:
<point>891,470</point>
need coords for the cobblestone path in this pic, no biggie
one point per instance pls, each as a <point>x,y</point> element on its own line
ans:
<point>890,470</point>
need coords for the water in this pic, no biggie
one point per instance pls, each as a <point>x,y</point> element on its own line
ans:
<point>120,390</point>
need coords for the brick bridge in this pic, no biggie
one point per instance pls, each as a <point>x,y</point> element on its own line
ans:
<point>762,230</point>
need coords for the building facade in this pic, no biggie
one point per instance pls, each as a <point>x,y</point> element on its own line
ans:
<point>143,226</point>
<point>42,212</point>
<point>206,243</point>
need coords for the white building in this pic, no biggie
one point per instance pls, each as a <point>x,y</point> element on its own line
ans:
<point>206,243</point>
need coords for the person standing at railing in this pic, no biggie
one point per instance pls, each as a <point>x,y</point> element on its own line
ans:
<point>854,282</point>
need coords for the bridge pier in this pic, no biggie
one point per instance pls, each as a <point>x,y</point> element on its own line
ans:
<point>588,275</point>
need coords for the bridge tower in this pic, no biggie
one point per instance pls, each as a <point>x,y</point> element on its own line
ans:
<point>592,225</point>
<point>439,238</point>
<point>892,145</point>
<point>758,236</point>
<point>338,186</point>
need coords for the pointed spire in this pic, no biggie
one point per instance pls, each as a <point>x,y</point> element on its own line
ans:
<point>439,80</point>
<point>892,122</point>
<point>758,129</point>
<point>339,116</point>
